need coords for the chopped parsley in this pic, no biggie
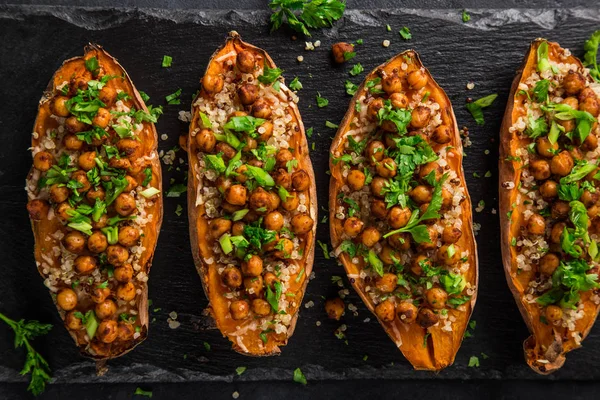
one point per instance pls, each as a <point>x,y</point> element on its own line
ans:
<point>351,88</point>
<point>325,249</point>
<point>176,190</point>
<point>141,392</point>
<point>405,33</point>
<point>466,17</point>
<point>590,58</point>
<point>476,107</point>
<point>295,84</point>
<point>356,69</point>
<point>167,61</point>
<point>299,377</point>
<point>321,101</point>
<point>174,98</point>
<point>474,361</point>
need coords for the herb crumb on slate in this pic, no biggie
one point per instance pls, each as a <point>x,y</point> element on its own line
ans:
<point>141,392</point>
<point>299,377</point>
<point>405,33</point>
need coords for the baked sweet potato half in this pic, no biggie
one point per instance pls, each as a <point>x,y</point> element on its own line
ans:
<point>94,202</point>
<point>252,201</point>
<point>550,203</point>
<point>400,213</point>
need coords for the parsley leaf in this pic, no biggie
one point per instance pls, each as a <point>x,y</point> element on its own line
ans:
<point>273,297</point>
<point>321,101</point>
<point>540,91</point>
<point>356,69</point>
<point>269,75</point>
<point>405,33</point>
<point>295,84</point>
<point>351,88</point>
<point>301,15</point>
<point>476,107</point>
<point>590,58</point>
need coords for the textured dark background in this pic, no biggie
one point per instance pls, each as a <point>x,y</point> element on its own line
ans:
<point>175,363</point>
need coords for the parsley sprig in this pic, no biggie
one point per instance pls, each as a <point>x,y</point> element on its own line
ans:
<point>303,14</point>
<point>34,362</point>
<point>590,58</point>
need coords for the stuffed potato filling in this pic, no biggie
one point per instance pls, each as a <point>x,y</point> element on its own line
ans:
<point>401,202</point>
<point>558,198</point>
<point>91,183</point>
<point>252,191</point>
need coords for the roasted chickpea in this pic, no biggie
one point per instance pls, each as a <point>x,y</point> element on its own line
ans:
<point>43,161</point>
<point>387,283</point>
<point>436,298</point>
<point>239,309</point>
<point>212,83</point>
<point>356,179</point>
<point>254,285</point>
<point>85,264</point>
<point>124,273</point>
<point>101,223</point>
<point>106,309</point>
<point>119,163</point>
<point>261,109</point>
<point>261,307</point>
<point>431,168</point>
<point>353,227</point>
<point>398,217</point>
<point>379,208</point>
<point>567,124</point>
<point>130,148</point>
<point>300,180</point>
<point>270,279</point>
<point>399,100</point>
<point>385,311</point>
<point>386,168</point>
<point>253,266</point>
<point>282,157</point>
<point>545,148</point>
<point>560,209</point>
<point>417,79</point>
<point>247,93</point>
<point>442,134</point>
<point>549,190</point>
<point>62,210</point>
<point>449,254</point>
<point>571,102</point>
<point>73,125</point>
<point>260,200</point>
<point>99,294</point>
<point>339,51</point>
<point>388,255</point>
<point>102,118</point>
<point>420,117</point>
<point>377,185</point>
<point>219,226</point>
<point>540,169</point>
<point>66,299</point>
<point>232,277</point>
<point>245,61</point>
<point>117,255</point>
<point>370,236</point>
<point>59,193</point>
<point>290,203</point>
<point>451,234</point>
<point>556,232</point>
<point>274,221</point>
<point>590,143</point>
<point>126,291</point>
<point>228,151</point>
<point>38,209</point>
<point>427,317</point>
<point>128,236</point>
<point>74,242</point>
<point>87,161</point>
<point>433,237</point>
<point>81,178</point>
<point>302,224</point>
<point>549,263</point>
<point>562,164</point>
<point>97,242</point>
<point>573,83</point>
<point>282,178</point>
<point>58,106</point>
<point>125,331</point>
<point>373,109</point>
<point>335,308</point>
<point>71,142</point>
<point>374,151</point>
<point>536,225</point>
<point>125,204</point>
<point>391,83</point>
<point>554,313</point>
<point>590,105</point>
<point>399,241</point>
<point>107,95</point>
<point>589,199</point>
<point>265,131</point>
<point>421,194</point>
<point>593,211</point>
<point>576,153</point>
<point>406,312</point>
<point>285,248</point>
<point>72,321</point>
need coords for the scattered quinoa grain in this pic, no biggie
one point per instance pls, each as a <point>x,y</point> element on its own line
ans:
<point>386,43</point>
<point>300,58</point>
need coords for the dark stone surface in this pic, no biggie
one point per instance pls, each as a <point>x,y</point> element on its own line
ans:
<point>487,51</point>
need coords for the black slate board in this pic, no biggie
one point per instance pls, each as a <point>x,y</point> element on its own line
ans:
<point>486,51</point>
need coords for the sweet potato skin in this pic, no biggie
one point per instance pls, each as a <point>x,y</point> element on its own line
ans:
<point>440,352</point>
<point>42,228</point>
<point>542,335</point>
<point>211,281</point>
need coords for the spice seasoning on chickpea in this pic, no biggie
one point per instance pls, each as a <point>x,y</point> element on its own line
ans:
<point>549,203</point>
<point>252,188</point>
<point>400,215</point>
<point>94,226</point>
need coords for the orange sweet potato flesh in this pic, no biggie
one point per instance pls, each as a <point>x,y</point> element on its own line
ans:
<point>546,348</point>
<point>244,340</point>
<point>426,349</point>
<point>48,225</point>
